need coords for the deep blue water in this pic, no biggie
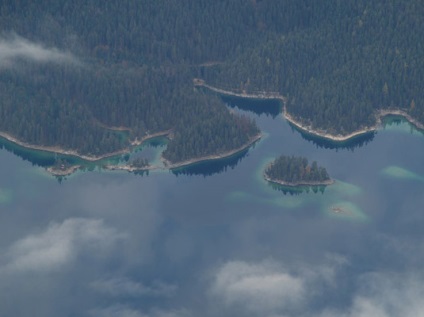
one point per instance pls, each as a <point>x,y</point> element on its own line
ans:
<point>217,240</point>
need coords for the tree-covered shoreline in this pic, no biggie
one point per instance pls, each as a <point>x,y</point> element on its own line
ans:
<point>338,63</point>
<point>304,126</point>
<point>70,70</point>
<point>295,171</point>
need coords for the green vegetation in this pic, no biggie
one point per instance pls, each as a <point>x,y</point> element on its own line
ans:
<point>336,61</point>
<point>81,73</point>
<point>139,162</point>
<point>291,170</point>
<point>77,74</point>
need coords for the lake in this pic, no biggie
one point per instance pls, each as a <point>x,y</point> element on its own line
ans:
<point>217,240</point>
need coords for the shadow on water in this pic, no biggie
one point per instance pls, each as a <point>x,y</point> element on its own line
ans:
<point>273,108</point>
<point>393,120</point>
<point>36,157</point>
<point>269,107</point>
<point>398,121</point>
<point>208,168</point>
<point>141,173</point>
<point>293,191</point>
<point>47,159</point>
<point>351,144</point>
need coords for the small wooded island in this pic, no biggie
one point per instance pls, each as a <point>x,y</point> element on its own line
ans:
<point>295,171</point>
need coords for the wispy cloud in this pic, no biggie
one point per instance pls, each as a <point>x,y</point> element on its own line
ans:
<point>15,48</point>
<point>127,287</point>
<point>386,295</point>
<point>268,287</point>
<point>58,245</point>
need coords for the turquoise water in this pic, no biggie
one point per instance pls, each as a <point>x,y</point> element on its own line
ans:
<point>216,239</point>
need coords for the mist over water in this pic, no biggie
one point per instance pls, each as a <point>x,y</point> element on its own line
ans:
<point>177,243</point>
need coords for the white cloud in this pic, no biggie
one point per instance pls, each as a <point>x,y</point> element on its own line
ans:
<point>14,48</point>
<point>268,287</point>
<point>59,245</point>
<point>258,285</point>
<point>127,287</point>
<point>386,295</point>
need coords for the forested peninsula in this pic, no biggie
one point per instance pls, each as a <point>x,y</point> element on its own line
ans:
<point>295,171</point>
<point>307,128</point>
<point>94,78</point>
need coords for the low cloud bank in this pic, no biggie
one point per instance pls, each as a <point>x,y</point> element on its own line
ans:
<point>268,287</point>
<point>59,245</point>
<point>386,295</point>
<point>15,48</point>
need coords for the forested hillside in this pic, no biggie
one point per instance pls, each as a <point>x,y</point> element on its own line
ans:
<point>336,61</point>
<point>71,70</point>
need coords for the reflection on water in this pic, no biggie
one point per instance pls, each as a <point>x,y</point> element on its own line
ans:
<point>209,168</point>
<point>351,144</point>
<point>399,123</point>
<point>273,108</point>
<point>290,190</point>
<point>268,107</point>
<point>47,159</point>
<point>141,173</point>
<point>38,158</point>
<point>150,150</point>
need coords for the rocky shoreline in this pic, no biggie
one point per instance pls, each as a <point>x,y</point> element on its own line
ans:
<point>342,138</point>
<point>298,184</point>
<point>166,164</point>
<point>91,158</point>
<point>252,140</point>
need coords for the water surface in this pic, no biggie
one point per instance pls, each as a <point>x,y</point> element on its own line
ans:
<point>216,239</point>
